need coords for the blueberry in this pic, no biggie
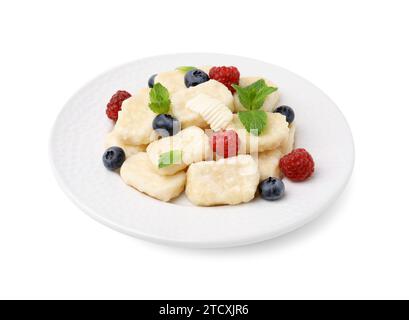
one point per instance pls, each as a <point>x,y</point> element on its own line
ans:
<point>195,77</point>
<point>165,125</point>
<point>151,80</point>
<point>287,112</point>
<point>271,189</point>
<point>113,158</point>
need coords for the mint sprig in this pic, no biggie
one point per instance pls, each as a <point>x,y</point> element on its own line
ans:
<point>185,68</point>
<point>252,98</point>
<point>159,99</point>
<point>168,158</point>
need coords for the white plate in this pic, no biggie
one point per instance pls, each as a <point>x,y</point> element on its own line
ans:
<point>77,145</point>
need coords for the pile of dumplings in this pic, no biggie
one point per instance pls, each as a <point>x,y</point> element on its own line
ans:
<point>206,179</point>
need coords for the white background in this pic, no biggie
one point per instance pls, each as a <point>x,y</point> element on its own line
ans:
<point>356,51</point>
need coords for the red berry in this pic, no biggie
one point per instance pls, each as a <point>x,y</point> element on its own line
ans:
<point>115,104</point>
<point>225,143</point>
<point>225,75</point>
<point>297,165</point>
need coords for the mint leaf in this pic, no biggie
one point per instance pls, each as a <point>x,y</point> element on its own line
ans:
<point>254,121</point>
<point>171,157</point>
<point>185,68</point>
<point>159,99</point>
<point>253,96</point>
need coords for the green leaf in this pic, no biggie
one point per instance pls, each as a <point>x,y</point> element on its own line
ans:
<point>254,121</point>
<point>159,99</point>
<point>185,68</point>
<point>253,96</point>
<point>171,157</point>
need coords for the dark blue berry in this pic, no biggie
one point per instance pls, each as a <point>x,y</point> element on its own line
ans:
<point>287,112</point>
<point>151,81</point>
<point>165,125</point>
<point>113,158</point>
<point>271,189</point>
<point>195,77</point>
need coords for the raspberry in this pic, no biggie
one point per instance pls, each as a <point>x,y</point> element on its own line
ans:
<point>225,143</point>
<point>225,75</point>
<point>115,104</point>
<point>297,165</point>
